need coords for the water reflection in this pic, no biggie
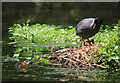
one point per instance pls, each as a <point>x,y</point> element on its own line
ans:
<point>49,73</point>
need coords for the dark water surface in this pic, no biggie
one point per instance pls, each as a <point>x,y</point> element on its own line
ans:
<point>38,73</point>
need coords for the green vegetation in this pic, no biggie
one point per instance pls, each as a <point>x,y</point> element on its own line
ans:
<point>36,40</point>
<point>110,42</point>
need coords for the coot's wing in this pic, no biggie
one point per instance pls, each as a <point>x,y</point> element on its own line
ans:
<point>84,25</point>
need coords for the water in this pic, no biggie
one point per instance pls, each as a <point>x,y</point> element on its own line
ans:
<point>49,73</point>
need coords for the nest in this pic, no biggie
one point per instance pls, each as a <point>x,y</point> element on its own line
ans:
<point>76,57</point>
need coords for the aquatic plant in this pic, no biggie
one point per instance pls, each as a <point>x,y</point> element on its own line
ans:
<point>37,40</point>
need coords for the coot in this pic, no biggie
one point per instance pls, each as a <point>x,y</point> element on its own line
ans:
<point>88,27</point>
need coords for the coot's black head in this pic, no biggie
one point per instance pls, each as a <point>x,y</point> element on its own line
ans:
<point>98,21</point>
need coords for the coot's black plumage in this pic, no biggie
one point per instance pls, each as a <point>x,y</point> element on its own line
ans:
<point>88,27</point>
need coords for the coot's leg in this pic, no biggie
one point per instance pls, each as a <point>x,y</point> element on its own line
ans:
<point>88,42</point>
<point>82,41</point>
<point>93,42</point>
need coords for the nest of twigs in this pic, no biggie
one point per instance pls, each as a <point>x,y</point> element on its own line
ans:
<point>76,57</point>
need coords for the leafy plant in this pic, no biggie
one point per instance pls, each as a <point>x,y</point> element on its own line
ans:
<point>110,46</point>
<point>36,40</point>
